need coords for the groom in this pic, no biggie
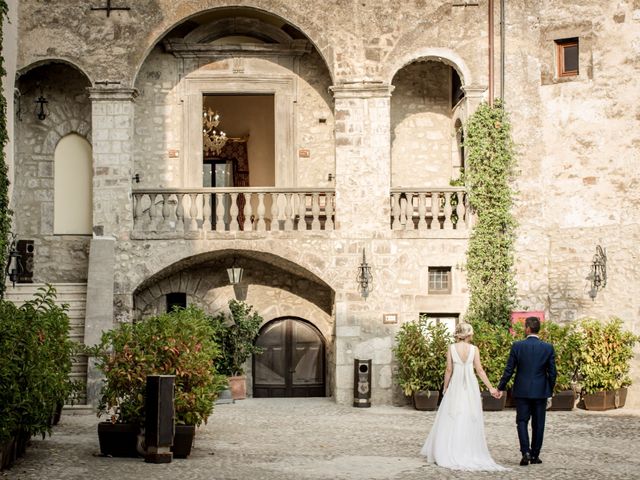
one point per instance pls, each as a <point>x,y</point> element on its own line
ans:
<point>534,363</point>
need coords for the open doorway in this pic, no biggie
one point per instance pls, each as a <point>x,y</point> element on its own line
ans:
<point>247,157</point>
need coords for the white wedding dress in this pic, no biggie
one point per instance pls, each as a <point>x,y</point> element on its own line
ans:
<point>457,440</point>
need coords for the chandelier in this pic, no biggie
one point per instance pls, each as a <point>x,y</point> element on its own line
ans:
<point>214,139</point>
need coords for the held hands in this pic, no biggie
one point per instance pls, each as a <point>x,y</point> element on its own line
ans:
<point>495,393</point>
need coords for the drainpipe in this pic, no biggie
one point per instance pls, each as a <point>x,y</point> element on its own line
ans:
<point>502,52</point>
<point>491,79</point>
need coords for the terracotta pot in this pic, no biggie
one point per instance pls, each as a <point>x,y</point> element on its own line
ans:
<point>183,440</point>
<point>490,404</point>
<point>605,400</point>
<point>238,387</point>
<point>426,400</point>
<point>564,400</point>
<point>118,439</point>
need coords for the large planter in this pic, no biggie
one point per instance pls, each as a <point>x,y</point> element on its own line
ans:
<point>7,453</point>
<point>57,413</point>
<point>490,404</point>
<point>238,387</point>
<point>564,400</point>
<point>118,439</point>
<point>183,440</point>
<point>426,400</point>
<point>510,402</point>
<point>605,400</point>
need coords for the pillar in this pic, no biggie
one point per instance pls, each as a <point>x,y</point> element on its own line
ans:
<point>112,115</point>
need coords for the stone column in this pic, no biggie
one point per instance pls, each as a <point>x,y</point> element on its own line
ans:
<point>474,95</point>
<point>112,133</point>
<point>363,157</point>
<point>99,312</point>
<point>363,180</point>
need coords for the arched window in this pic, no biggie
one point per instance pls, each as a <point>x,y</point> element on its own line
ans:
<point>73,177</point>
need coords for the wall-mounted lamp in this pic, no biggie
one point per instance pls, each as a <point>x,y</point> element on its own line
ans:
<point>598,273</point>
<point>364,278</point>
<point>14,265</point>
<point>235,273</point>
<point>136,178</point>
<point>41,110</point>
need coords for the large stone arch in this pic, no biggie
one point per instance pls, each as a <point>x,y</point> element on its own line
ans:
<point>181,11</point>
<point>185,273</point>
<point>51,60</point>
<point>438,54</point>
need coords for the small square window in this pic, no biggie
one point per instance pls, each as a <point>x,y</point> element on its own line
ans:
<point>176,299</point>
<point>567,55</point>
<point>439,280</point>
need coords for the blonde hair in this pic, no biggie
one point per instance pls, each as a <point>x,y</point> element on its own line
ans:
<point>463,331</point>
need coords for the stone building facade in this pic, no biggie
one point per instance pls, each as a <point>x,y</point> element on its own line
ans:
<point>368,101</point>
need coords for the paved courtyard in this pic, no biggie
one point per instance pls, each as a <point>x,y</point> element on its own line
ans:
<point>317,439</point>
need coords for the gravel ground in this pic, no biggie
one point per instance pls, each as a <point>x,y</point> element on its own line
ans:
<point>317,439</point>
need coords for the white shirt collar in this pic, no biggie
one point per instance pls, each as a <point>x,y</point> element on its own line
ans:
<point>533,335</point>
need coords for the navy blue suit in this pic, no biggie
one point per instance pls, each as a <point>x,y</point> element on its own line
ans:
<point>535,367</point>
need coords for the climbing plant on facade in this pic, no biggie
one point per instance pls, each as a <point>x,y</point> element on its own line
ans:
<point>5,213</point>
<point>490,162</point>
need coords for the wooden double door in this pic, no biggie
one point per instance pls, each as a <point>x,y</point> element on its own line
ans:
<point>293,361</point>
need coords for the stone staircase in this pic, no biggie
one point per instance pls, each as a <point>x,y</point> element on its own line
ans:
<point>75,295</point>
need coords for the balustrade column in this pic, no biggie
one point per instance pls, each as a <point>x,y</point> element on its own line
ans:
<point>112,137</point>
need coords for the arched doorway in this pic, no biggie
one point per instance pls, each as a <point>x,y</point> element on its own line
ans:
<point>293,362</point>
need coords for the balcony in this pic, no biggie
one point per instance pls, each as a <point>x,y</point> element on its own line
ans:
<point>202,213</point>
<point>205,212</point>
<point>431,212</point>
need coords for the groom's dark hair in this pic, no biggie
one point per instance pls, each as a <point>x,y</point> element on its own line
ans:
<point>533,323</point>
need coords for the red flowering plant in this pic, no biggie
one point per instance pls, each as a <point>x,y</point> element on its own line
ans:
<point>177,343</point>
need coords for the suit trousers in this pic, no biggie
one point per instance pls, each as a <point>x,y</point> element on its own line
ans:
<point>534,409</point>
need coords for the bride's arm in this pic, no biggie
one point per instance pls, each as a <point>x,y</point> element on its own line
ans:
<point>448,371</point>
<point>477,364</point>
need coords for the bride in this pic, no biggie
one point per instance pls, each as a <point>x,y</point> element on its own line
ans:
<point>457,438</point>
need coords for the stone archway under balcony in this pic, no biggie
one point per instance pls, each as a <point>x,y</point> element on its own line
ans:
<point>275,287</point>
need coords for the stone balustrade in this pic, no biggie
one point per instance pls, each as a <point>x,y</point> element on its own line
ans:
<point>192,213</point>
<point>430,209</point>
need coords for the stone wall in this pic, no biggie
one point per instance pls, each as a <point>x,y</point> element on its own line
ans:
<point>576,181</point>
<point>421,126</point>
<point>58,258</point>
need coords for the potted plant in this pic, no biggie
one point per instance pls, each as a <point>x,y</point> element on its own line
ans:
<point>494,343</point>
<point>236,335</point>
<point>605,356</point>
<point>35,362</point>
<point>567,344</point>
<point>178,343</point>
<point>421,352</point>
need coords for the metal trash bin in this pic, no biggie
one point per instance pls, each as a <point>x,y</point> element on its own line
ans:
<point>159,418</point>
<point>361,383</point>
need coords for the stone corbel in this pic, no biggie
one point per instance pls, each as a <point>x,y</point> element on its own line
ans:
<point>104,94</point>
<point>362,90</point>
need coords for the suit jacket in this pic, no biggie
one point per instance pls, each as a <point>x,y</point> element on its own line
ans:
<point>535,366</point>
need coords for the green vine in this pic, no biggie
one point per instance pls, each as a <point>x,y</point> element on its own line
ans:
<point>490,162</point>
<point>5,213</point>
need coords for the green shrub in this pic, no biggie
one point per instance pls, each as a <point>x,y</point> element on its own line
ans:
<point>35,363</point>
<point>605,355</point>
<point>236,334</point>
<point>494,343</point>
<point>421,352</point>
<point>178,343</point>
<point>567,343</point>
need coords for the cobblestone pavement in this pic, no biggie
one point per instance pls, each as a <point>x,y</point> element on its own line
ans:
<point>316,439</point>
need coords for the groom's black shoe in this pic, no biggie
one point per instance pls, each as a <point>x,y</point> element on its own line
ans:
<point>535,460</point>
<point>525,459</point>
